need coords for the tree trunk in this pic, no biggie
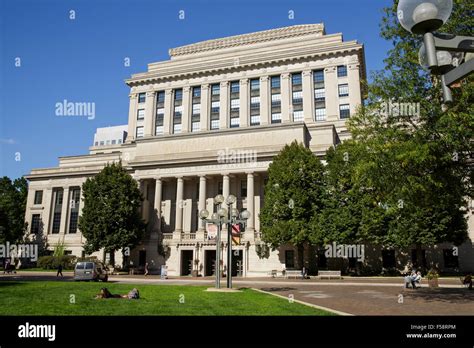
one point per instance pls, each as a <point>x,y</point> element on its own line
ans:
<point>419,258</point>
<point>112,258</point>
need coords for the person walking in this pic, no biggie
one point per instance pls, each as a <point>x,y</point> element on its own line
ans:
<point>60,270</point>
<point>146,269</point>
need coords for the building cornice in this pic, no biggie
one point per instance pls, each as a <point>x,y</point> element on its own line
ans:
<point>247,39</point>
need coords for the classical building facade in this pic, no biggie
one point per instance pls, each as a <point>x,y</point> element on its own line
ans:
<point>208,121</point>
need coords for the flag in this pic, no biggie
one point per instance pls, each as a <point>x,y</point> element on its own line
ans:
<point>236,234</point>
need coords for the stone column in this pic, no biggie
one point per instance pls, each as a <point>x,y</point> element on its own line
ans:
<point>168,117</point>
<point>179,205</point>
<point>224,105</point>
<point>353,76</point>
<point>285,97</point>
<point>132,117</point>
<point>250,206</point>
<point>48,196</point>
<point>157,203</point>
<point>63,227</point>
<point>332,98</point>
<point>308,96</point>
<point>185,117</point>
<point>150,112</point>
<point>244,102</point>
<point>264,100</point>
<point>202,199</point>
<point>205,109</point>
<point>225,187</point>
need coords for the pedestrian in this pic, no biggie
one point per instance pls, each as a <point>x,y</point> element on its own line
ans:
<point>146,269</point>
<point>60,270</point>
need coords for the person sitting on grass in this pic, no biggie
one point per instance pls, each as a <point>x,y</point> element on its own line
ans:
<point>105,293</point>
<point>412,279</point>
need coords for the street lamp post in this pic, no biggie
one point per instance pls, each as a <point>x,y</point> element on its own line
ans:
<point>224,216</point>
<point>443,54</point>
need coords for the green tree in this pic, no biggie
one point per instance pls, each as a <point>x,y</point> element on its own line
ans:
<point>13,195</point>
<point>416,164</point>
<point>110,217</point>
<point>293,194</point>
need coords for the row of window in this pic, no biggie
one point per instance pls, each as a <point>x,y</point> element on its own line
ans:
<point>275,93</point>
<point>109,142</point>
<point>58,193</point>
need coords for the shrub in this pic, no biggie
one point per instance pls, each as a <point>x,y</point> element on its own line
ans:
<point>52,262</point>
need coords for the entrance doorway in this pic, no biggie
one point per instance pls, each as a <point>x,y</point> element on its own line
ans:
<point>186,262</point>
<point>210,262</point>
<point>237,264</point>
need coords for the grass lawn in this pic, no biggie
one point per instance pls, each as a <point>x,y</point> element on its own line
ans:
<point>53,298</point>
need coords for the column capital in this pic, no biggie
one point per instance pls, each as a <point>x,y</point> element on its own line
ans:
<point>224,83</point>
<point>264,78</point>
<point>179,177</point>
<point>354,66</point>
<point>331,69</point>
<point>307,72</point>
<point>244,81</point>
<point>150,94</point>
<point>205,86</point>
<point>285,76</point>
<point>186,89</point>
<point>250,173</point>
<point>168,91</point>
<point>202,176</point>
<point>158,178</point>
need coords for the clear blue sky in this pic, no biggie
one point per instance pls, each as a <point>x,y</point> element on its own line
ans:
<point>81,60</point>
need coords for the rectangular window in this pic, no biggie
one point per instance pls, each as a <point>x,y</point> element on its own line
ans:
<point>235,103</point>
<point>159,130</point>
<point>141,97</point>
<point>296,79</point>
<point>276,99</point>
<point>113,141</point>
<point>275,82</point>
<point>214,124</point>
<point>255,120</point>
<point>298,116</point>
<point>450,260</point>
<point>38,197</point>
<point>234,87</point>
<point>234,122</point>
<point>177,128</point>
<point>343,90</point>
<point>344,111</point>
<point>215,106</point>
<point>254,85</point>
<point>255,101</point>
<point>35,223</point>
<point>289,259</point>
<point>196,109</point>
<point>196,92</point>
<point>276,118</point>
<point>73,222</point>
<point>297,97</point>
<point>141,114</point>
<point>160,97</point>
<point>178,94</point>
<point>341,71</point>
<point>414,259</point>
<point>319,94</point>
<point>219,188</point>
<point>140,132</point>
<point>320,114</point>
<point>196,126</point>
<point>56,222</point>
<point>215,89</point>
<point>318,76</point>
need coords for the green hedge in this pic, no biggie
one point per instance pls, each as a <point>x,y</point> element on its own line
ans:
<point>52,262</point>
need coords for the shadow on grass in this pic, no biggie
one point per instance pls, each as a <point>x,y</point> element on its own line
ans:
<point>448,295</point>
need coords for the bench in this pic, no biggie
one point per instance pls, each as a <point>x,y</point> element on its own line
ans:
<point>293,273</point>
<point>329,274</point>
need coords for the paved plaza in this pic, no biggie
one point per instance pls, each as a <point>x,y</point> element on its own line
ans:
<point>350,296</point>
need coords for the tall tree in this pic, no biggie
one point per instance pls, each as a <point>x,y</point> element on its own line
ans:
<point>13,195</point>
<point>110,218</point>
<point>417,163</point>
<point>293,194</point>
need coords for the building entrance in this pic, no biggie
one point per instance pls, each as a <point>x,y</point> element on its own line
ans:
<point>210,262</point>
<point>186,262</point>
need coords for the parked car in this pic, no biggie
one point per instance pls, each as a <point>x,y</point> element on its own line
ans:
<point>91,270</point>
